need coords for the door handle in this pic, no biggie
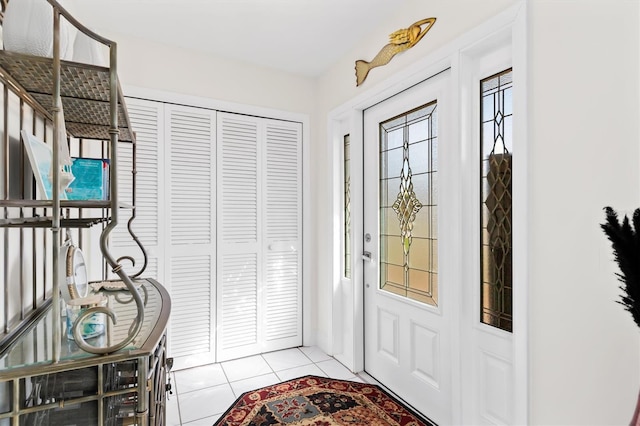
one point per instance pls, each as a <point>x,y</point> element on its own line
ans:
<point>366,256</point>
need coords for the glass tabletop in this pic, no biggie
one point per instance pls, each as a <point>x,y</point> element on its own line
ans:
<point>35,346</point>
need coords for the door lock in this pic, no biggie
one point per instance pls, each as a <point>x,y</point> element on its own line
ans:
<point>367,256</point>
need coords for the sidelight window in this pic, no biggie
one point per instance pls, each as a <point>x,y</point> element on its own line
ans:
<point>347,207</point>
<point>496,200</point>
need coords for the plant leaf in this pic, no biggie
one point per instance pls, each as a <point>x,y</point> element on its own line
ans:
<point>625,242</point>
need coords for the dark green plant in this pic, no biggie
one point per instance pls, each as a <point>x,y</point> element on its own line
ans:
<point>625,241</point>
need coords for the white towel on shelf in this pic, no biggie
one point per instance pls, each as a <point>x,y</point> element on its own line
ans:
<point>28,28</point>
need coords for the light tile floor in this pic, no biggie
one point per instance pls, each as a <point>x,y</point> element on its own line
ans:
<point>202,394</point>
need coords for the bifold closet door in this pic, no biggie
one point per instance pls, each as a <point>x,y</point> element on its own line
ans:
<point>190,266</point>
<point>259,303</point>
<point>175,219</point>
<point>233,271</point>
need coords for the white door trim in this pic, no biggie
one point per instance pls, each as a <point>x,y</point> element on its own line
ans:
<point>512,24</point>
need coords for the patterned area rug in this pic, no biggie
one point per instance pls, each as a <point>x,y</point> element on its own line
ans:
<point>318,401</point>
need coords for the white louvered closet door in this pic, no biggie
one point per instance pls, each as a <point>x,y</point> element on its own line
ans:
<point>282,232</point>
<point>190,165</point>
<point>259,236</point>
<point>239,241</point>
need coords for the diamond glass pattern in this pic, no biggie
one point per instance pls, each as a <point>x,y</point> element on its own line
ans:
<point>408,205</point>
<point>496,221</point>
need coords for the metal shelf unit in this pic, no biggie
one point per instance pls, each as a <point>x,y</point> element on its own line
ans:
<point>119,377</point>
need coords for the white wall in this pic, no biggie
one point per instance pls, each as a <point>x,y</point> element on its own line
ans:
<point>192,73</point>
<point>142,64</point>
<point>584,155</point>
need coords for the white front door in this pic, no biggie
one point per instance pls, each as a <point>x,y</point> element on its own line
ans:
<point>408,289</point>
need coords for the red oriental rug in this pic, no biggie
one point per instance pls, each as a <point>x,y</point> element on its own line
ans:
<point>319,401</point>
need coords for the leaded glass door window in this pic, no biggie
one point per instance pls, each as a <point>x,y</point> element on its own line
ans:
<point>408,205</point>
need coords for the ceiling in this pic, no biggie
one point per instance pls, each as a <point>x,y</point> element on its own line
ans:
<point>300,36</point>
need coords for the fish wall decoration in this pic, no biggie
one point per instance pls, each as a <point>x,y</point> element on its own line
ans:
<point>399,41</point>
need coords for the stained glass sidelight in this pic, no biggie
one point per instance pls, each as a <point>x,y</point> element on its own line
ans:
<point>408,205</point>
<point>496,189</point>
<point>347,207</point>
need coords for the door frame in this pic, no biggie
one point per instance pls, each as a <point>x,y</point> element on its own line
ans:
<point>508,28</point>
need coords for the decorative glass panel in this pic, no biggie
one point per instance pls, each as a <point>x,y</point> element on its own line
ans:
<point>496,223</point>
<point>347,208</point>
<point>408,205</point>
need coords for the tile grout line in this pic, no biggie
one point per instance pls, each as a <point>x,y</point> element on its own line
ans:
<point>272,371</point>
